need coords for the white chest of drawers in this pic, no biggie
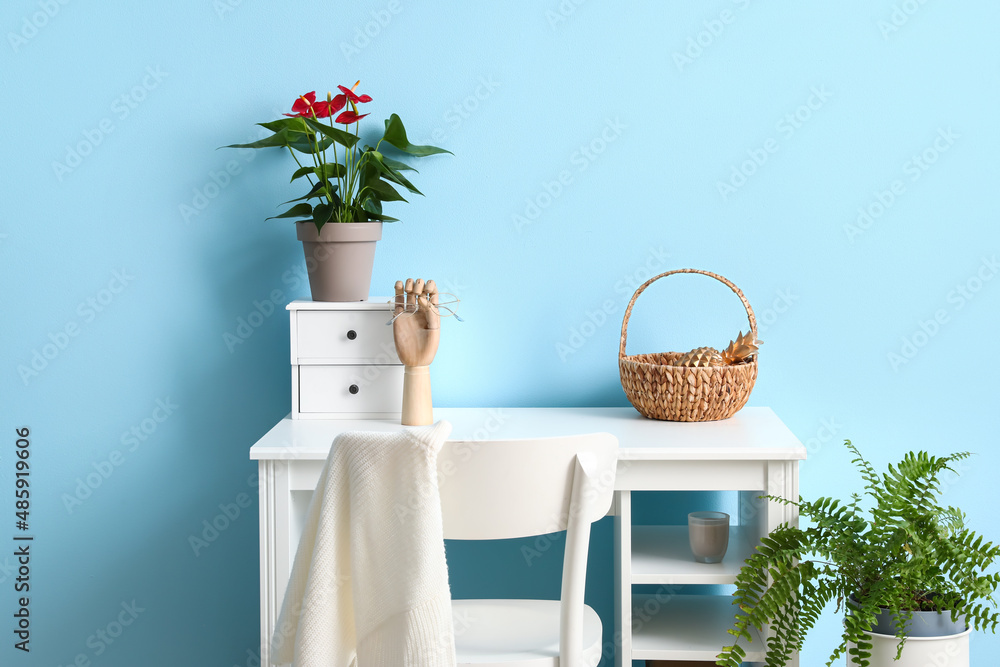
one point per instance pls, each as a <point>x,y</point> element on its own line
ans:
<point>344,362</point>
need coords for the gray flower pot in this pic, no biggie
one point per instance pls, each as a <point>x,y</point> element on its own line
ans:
<point>340,259</point>
<point>921,624</point>
<point>932,638</point>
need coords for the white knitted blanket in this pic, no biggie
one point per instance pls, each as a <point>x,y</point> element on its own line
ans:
<point>369,586</point>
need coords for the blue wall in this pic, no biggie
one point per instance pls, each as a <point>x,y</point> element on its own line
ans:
<point>838,161</point>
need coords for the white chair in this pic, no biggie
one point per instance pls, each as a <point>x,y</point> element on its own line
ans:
<point>502,489</point>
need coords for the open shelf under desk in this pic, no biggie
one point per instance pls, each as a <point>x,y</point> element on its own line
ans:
<point>662,555</point>
<point>686,627</point>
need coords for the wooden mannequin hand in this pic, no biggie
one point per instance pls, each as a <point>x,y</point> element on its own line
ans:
<point>416,328</point>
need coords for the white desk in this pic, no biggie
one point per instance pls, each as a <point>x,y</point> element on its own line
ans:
<point>750,454</point>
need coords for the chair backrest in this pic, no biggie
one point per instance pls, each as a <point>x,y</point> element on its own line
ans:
<point>498,489</point>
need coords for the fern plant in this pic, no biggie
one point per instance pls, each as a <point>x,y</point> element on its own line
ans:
<point>893,549</point>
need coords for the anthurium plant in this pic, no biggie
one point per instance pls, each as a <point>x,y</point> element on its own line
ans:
<point>354,184</point>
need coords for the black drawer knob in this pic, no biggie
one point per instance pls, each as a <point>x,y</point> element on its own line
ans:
<point>352,334</point>
<point>353,389</point>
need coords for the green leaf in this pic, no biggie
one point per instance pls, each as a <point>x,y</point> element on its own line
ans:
<point>318,191</point>
<point>340,136</point>
<point>379,217</point>
<point>394,164</point>
<point>382,163</point>
<point>282,138</point>
<point>368,173</point>
<point>322,214</point>
<point>299,173</point>
<point>297,211</point>
<point>395,134</point>
<point>303,143</point>
<point>382,190</point>
<point>331,169</point>
<point>296,124</point>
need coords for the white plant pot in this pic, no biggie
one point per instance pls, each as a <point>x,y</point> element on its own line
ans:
<point>947,651</point>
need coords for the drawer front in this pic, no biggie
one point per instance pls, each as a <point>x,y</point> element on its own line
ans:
<point>328,389</point>
<point>343,336</point>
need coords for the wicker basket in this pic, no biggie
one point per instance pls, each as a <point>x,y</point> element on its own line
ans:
<point>660,390</point>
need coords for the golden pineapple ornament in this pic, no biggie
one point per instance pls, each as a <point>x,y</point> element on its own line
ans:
<point>739,351</point>
<point>701,357</point>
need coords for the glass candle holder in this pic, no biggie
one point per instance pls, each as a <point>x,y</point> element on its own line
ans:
<point>708,533</point>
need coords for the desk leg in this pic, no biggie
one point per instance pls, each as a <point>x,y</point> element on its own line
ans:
<point>273,484</point>
<point>623,579</point>
<point>759,517</point>
<point>783,481</point>
<point>268,601</point>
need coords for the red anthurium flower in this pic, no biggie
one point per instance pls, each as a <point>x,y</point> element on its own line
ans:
<point>321,109</point>
<point>303,106</point>
<point>349,92</point>
<point>326,109</point>
<point>349,117</point>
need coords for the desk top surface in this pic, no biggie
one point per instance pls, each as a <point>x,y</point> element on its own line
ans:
<point>753,434</point>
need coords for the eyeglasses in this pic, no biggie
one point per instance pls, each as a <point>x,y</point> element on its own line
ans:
<point>437,308</point>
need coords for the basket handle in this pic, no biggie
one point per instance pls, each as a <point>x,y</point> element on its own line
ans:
<point>725,281</point>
